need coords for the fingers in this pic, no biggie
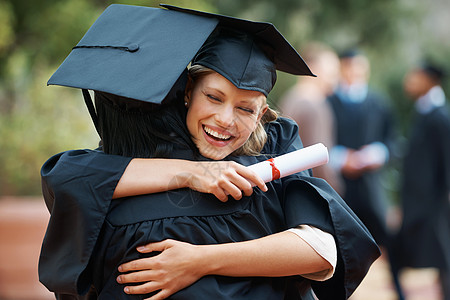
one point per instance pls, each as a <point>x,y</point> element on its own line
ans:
<point>134,277</point>
<point>260,183</point>
<point>161,295</point>
<point>221,195</point>
<point>231,188</point>
<point>223,179</point>
<point>156,246</point>
<point>136,265</point>
<point>251,179</point>
<point>145,263</point>
<point>145,288</point>
<point>239,180</point>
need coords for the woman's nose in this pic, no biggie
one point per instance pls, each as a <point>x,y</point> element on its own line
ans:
<point>225,116</point>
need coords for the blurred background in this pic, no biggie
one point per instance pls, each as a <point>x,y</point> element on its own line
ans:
<point>37,121</point>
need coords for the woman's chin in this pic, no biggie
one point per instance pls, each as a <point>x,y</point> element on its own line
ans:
<point>214,153</point>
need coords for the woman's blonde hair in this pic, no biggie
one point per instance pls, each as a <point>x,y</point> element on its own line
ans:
<point>258,138</point>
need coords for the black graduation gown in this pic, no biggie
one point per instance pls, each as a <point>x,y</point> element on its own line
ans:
<point>359,124</point>
<point>425,232</point>
<point>78,187</point>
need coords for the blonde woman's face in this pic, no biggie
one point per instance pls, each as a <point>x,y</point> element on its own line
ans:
<point>221,117</point>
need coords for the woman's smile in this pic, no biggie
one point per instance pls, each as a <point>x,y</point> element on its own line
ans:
<point>220,116</point>
<point>215,137</point>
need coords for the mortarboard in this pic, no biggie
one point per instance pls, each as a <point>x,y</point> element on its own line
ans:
<point>141,52</point>
<point>247,53</point>
<point>135,52</point>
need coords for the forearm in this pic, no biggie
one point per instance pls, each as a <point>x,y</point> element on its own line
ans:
<point>180,264</point>
<point>220,178</point>
<point>147,176</point>
<point>281,254</point>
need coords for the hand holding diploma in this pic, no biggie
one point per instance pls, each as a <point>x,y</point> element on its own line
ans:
<point>290,163</point>
<point>235,180</point>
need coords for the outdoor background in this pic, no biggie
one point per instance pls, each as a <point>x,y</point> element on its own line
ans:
<point>37,121</point>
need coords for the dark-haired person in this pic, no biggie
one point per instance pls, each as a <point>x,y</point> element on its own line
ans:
<point>425,188</point>
<point>365,134</point>
<point>191,245</point>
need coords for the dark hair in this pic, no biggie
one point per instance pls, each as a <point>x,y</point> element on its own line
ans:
<point>436,73</point>
<point>139,129</point>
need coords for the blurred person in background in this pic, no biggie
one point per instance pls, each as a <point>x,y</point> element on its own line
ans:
<point>364,137</point>
<point>306,104</point>
<point>424,236</point>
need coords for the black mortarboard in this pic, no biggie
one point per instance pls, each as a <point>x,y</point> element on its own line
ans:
<point>247,53</point>
<point>135,52</point>
<point>141,52</point>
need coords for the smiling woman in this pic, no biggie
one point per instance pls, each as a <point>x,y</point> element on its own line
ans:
<point>277,242</point>
<point>221,117</point>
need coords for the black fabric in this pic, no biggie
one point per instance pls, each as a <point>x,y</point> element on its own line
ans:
<point>77,213</point>
<point>360,124</point>
<point>91,109</point>
<point>196,218</point>
<point>271,41</point>
<point>237,57</point>
<point>140,52</point>
<point>162,46</point>
<point>425,193</point>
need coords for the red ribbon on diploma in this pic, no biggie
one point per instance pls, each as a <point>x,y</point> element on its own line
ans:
<point>275,172</point>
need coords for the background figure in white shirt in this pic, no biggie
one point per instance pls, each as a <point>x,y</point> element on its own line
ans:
<point>424,237</point>
<point>364,139</point>
<point>306,104</point>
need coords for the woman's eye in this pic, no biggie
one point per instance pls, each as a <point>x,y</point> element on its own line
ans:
<point>248,110</point>
<point>213,98</point>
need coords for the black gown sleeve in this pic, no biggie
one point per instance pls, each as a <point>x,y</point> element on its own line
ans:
<point>77,186</point>
<point>440,130</point>
<point>315,203</point>
<point>312,201</point>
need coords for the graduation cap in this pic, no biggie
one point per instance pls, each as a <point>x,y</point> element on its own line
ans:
<point>135,52</point>
<point>247,53</point>
<point>141,52</point>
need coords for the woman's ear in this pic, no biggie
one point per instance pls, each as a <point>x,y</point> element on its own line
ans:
<point>188,91</point>
<point>262,111</point>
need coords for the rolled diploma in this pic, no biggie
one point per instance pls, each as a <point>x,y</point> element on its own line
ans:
<point>293,162</point>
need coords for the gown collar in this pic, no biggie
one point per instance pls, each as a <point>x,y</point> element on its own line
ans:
<point>434,98</point>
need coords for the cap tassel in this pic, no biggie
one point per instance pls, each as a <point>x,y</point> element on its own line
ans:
<point>91,109</point>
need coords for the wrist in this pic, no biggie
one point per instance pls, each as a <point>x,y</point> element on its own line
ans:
<point>184,175</point>
<point>207,258</point>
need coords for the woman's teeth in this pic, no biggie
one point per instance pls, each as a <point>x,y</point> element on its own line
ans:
<point>216,134</point>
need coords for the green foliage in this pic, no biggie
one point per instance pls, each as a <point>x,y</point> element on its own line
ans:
<point>37,121</point>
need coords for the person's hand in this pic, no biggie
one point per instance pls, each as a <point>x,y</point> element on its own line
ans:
<point>368,158</point>
<point>223,178</point>
<point>371,157</point>
<point>177,266</point>
<point>352,167</point>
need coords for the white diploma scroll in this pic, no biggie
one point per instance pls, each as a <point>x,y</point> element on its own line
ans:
<point>293,162</point>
